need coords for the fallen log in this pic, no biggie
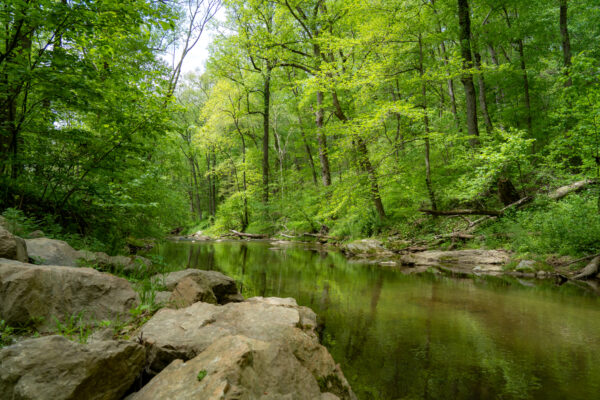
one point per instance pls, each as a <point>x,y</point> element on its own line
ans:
<point>461,212</point>
<point>582,259</point>
<point>248,235</point>
<point>563,191</point>
<point>590,271</point>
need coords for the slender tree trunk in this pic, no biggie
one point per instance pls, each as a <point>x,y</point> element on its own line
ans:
<point>482,100</point>
<point>195,188</point>
<point>566,42</point>
<point>322,139</point>
<point>426,123</point>
<point>308,151</point>
<point>266,116</point>
<point>214,182</point>
<point>210,186</point>
<point>363,153</point>
<point>499,90</point>
<point>464,20</point>
<point>525,85</point>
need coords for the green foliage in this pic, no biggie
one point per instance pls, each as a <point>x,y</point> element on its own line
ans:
<point>74,328</point>
<point>6,334</point>
<point>201,375</point>
<point>568,227</point>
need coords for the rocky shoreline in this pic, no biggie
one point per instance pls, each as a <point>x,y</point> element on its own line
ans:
<point>205,341</point>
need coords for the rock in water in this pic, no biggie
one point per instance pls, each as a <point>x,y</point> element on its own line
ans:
<point>12,247</point>
<point>366,248</point>
<point>53,367</point>
<point>189,332</point>
<point>235,367</point>
<point>34,294</point>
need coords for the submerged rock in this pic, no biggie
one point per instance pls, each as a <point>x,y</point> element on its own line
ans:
<point>235,367</point>
<point>12,247</point>
<point>53,367</point>
<point>35,295</point>
<point>268,327</point>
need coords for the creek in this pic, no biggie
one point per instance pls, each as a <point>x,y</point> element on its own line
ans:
<point>403,336</point>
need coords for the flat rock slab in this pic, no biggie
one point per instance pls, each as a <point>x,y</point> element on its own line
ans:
<point>235,367</point>
<point>464,259</point>
<point>187,333</point>
<point>53,367</point>
<point>36,294</point>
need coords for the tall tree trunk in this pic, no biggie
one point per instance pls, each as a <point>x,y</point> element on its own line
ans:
<point>566,42</point>
<point>214,182</point>
<point>311,162</point>
<point>266,116</point>
<point>209,178</point>
<point>196,188</point>
<point>482,100</point>
<point>363,154</point>
<point>464,20</point>
<point>426,123</point>
<point>525,85</point>
<point>322,139</point>
<point>499,90</point>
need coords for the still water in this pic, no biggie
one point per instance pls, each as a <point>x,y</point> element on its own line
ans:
<point>400,336</point>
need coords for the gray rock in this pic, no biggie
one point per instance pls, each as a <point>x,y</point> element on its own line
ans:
<point>189,291</point>
<point>53,367</point>
<point>52,252</point>
<point>366,247</point>
<point>222,286</point>
<point>526,266</point>
<point>36,234</point>
<point>466,259</point>
<point>186,333</point>
<point>235,367</point>
<point>38,293</point>
<point>12,247</point>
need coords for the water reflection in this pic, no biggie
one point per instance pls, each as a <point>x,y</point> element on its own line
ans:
<point>428,337</point>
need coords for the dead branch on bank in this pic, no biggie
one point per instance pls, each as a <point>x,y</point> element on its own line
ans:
<point>248,235</point>
<point>590,271</point>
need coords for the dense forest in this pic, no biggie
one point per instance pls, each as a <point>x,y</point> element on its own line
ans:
<point>418,119</point>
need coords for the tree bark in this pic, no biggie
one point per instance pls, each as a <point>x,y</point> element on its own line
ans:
<point>464,20</point>
<point>322,140</point>
<point>482,100</point>
<point>265,149</point>
<point>566,42</point>
<point>426,123</point>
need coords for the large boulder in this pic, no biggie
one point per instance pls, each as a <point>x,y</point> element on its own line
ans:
<point>46,251</point>
<point>52,252</point>
<point>235,367</point>
<point>187,333</point>
<point>53,367</point>
<point>12,247</point>
<point>35,294</point>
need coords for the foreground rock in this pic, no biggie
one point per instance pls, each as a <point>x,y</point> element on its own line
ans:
<point>35,295</point>
<point>473,260</point>
<point>46,251</point>
<point>274,332</point>
<point>235,367</point>
<point>12,247</point>
<point>53,367</point>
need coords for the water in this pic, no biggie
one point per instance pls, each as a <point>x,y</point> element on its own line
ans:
<point>399,336</point>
